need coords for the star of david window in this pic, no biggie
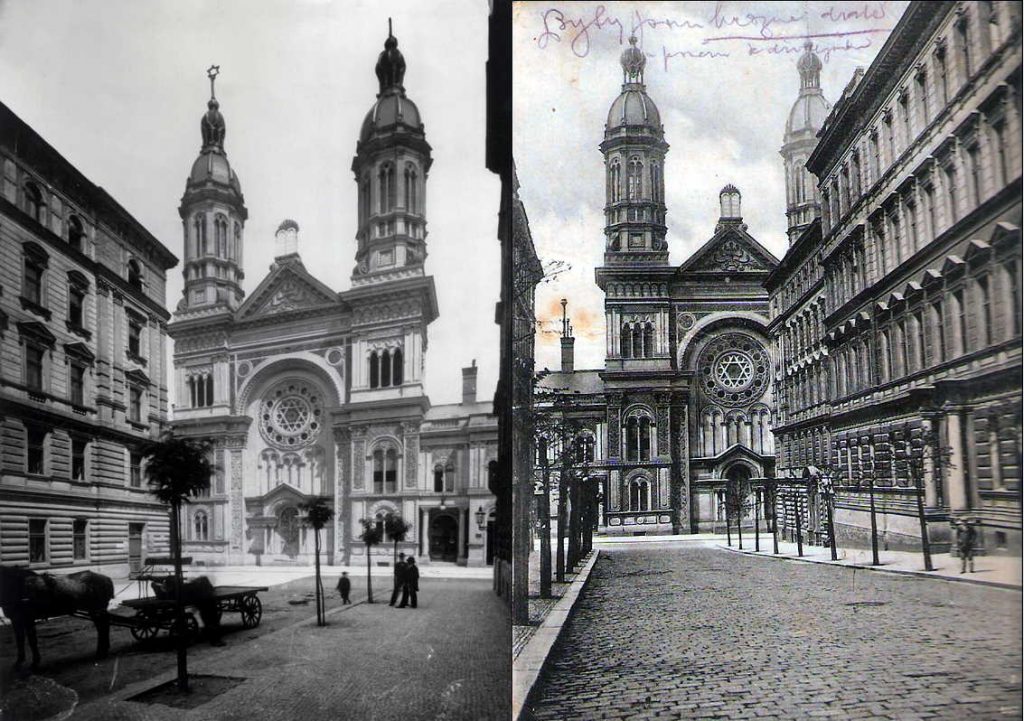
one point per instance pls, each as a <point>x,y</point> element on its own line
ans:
<point>734,370</point>
<point>291,415</point>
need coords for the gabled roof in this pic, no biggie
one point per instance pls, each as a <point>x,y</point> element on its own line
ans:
<point>730,250</point>
<point>288,287</point>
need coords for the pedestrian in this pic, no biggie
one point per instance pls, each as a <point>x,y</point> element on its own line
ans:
<point>411,584</point>
<point>344,587</point>
<point>965,539</point>
<point>399,579</point>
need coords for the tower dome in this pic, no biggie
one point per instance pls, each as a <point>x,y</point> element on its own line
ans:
<point>393,111</point>
<point>810,109</point>
<point>634,106</point>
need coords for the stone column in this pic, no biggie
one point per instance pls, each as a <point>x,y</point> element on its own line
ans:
<point>958,495</point>
<point>342,507</point>
<point>236,497</point>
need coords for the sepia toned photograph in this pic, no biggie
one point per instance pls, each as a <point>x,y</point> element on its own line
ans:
<point>249,350</point>
<point>767,360</point>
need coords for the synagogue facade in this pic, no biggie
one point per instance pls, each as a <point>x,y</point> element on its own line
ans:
<point>310,393</point>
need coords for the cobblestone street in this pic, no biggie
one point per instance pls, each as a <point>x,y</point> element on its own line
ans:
<point>449,659</point>
<point>684,632</point>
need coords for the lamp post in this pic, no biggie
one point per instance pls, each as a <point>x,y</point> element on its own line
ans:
<point>757,520</point>
<point>828,491</point>
<point>874,522</point>
<point>481,517</point>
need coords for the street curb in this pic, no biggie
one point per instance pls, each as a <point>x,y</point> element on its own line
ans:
<point>878,569</point>
<point>527,666</point>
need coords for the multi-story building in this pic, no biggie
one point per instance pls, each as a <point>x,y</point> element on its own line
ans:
<point>683,405</point>
<point>310,393</point>
<point>82,365</point>
<point>902,324</point>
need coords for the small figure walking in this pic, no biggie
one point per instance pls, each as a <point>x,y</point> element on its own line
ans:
<point>411,584</point>
<point>399,579</point>
<point>965,538</point>
<point>344,587</point>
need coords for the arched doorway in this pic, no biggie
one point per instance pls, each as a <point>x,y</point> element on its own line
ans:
<point>288,531</point>
<point>444,538</point>
<point>738,491</point>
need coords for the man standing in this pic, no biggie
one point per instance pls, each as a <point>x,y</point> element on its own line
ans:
<point>411,584</point>
<point>344,587</point>
<point>400,571</point>
<point>965,538</point>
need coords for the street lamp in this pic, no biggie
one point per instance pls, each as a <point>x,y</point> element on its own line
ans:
<point>442,505</point>
<point>481,516</point>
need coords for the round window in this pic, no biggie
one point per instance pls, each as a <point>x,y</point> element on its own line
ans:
<point>291,415</point>
<point>734,370</point>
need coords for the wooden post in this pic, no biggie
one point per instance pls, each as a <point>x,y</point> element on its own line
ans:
<point>179,609</point>
<point>874,523</point>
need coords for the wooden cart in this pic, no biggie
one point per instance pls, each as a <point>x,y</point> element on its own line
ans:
<point>153,615</point>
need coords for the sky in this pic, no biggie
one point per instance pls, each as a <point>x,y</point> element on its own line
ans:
<point>724,78</point>
<point>118,87</point>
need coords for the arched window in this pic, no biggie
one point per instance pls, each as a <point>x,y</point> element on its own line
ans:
<point>374,370</point>
<point>220,224</point>
<point>625,341</point>
<point>396,367</point>
<point>438,478</point>
<point>655,181</point>
<point>615,181</point>
<point>645,439</point>
<point>76,234</point>
<point>632,438</point>
<point>378,471</point>
<point>385,369</point>
<point>200,527</point>
<point>199,232</point>
<point>410,188</point>
<point>391,471</point>
<point>378,523</point>
<point>638,340</point>
<point>34,205</point>
<point>634,179</point>
<point>134,274</point>
<point>236,249</point>
<point>648,340</point>
<point>639,496</point>
<point>387,187</point>
<point>585,449</point>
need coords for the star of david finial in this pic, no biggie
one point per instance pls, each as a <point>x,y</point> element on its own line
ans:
<point>212,73</point>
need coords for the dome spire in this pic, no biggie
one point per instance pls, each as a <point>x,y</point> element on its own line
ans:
<point>633,62</point>
<point>809,67</point>
<point>212,124</point>
<point>390,65</point>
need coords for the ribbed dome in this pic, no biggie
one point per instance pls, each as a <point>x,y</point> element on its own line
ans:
<point>808,113</point>
<point>391,110</point>
<point>213,167</point>
<point>634,107</point>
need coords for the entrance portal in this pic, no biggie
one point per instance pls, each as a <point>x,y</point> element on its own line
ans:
<point>288,529</point>
<point>444,538</point>
<point>135,531</point>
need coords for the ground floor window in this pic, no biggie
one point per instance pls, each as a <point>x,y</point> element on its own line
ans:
<point>37,540</point>
<point>79,537</point>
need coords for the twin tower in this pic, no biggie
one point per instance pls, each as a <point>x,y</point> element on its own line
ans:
<point>390,165</point>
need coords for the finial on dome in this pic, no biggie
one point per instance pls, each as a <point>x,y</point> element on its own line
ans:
<point>809,67</point>
<point>287,237</point>
<point>390,64</point>
<point>633,61</point>
<point>212,125</point>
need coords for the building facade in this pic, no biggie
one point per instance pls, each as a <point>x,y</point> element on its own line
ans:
<point>83,327</point>
<point>684,403</point>
<point>312,393</point>
<point>911,348</point>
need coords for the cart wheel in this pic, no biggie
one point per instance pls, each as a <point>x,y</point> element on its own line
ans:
<point>252,611</point>
<point>144,633</point>
<point>191,627</point>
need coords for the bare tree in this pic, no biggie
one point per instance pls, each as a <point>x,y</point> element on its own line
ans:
<point>370,536</point>
<point>318,515</point>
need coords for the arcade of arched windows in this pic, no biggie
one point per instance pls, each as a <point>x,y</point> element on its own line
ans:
<point>639,435</point>
<point>386,367</point>
<point>720,429</point>
<point>808,447</point>
<point>802,334</point>
<point>200,389</point>
<point>444,476</point>
<point>803,390</point>
<point>637,339</point>
<point>303,470</point>
<point>386,187</point>
<point>641,494</point>
<point>968,307</point>
<point>384,465</point>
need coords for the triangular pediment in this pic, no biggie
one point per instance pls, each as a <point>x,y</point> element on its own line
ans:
<point>730,250</point>
<point>288,287</point>
<point>283,492</point>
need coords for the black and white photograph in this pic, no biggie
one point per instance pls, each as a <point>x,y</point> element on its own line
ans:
<point>249,351</point>
<point>767,377</point>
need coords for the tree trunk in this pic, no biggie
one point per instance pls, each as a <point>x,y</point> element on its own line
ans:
<point>319,589</point>
<point>179,609</point>
<point>560,549</point>
<point>544,511</point>
<point>369,581</point>
<point>575,526</point>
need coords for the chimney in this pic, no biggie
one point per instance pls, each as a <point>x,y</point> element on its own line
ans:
<point>469,384</point>
<point>568,342</point>
<point>286,239</point>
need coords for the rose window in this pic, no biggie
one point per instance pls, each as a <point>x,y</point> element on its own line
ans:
<point>291,415</point>
<point>734,369</point>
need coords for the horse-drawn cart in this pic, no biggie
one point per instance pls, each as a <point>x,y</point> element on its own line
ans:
<point>153,614</point>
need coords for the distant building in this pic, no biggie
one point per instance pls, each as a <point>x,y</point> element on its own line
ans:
<point>899,331</point>
<point>310,393</point>
<point>684,403</point>
<point>82,366</point>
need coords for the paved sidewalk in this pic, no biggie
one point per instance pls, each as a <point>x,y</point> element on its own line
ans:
<point>988,570</point>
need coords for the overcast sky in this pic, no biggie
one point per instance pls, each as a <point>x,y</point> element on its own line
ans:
<point>119,86</point>
<point>723,76</point>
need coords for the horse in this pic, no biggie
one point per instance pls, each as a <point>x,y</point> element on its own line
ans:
<point>197,592</point>
<point>26,596</point>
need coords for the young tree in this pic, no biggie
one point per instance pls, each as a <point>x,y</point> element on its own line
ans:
<point>177,469</point>
<point>371,536</point>
<point>318,515</point>
<point>396,529</point>
<point>737,503</point>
